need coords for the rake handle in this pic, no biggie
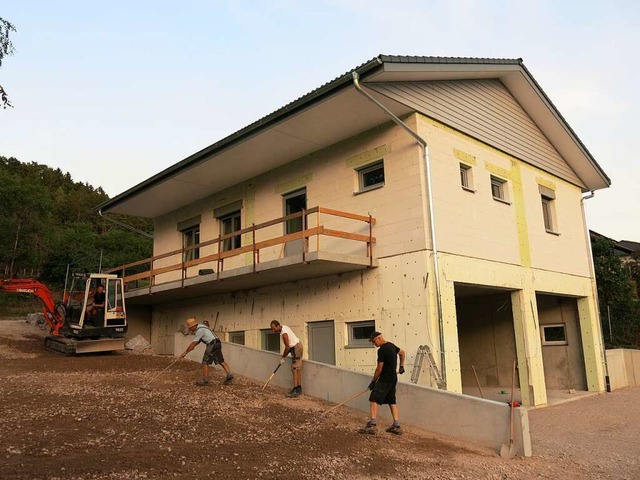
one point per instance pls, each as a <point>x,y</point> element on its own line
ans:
<point>157,375</point>
<point>346,401</point>
<point>271,376</point>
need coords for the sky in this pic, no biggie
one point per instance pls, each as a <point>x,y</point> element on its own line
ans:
<point>115,92</point>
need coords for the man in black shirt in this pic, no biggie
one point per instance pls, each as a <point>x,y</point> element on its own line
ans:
<point>98,305</point>
<point>383,385</point>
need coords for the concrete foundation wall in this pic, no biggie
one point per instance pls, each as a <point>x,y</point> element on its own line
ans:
<point>482,422</point>
<point>139,321</point>
<point>624,368</point>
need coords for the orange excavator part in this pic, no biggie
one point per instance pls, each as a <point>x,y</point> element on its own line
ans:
<point>27,285</point>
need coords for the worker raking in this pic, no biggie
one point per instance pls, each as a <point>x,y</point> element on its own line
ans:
<point>212,353</point>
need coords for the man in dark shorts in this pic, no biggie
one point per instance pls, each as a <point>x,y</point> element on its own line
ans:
<point>213,352</point>
<point>383,385</point>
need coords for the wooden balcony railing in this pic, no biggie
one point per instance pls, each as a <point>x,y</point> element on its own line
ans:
<point>142,274</point>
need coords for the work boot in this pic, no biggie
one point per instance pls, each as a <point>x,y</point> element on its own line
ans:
<point>395,429</point>
<point>203,382</point>
<point>369,429</point>
<point>229,379</point>
<point>295,392</point>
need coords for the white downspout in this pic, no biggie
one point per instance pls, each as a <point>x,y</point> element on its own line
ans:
<point>427,162</point>
<point>594,288</point>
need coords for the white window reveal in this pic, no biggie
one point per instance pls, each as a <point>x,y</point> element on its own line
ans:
<point>359,332</point>
<point>499,189</point>
<point>371,176</point>
<point>555,334</point>
<point>548,201</point>
<point>466,177</point>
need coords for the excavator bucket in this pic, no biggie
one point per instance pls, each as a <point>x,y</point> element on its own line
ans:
<point>72,346</point>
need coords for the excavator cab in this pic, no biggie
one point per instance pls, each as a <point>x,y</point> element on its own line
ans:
<point>95,307</point>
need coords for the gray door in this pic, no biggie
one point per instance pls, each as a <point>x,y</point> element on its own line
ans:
<point>322,342</point>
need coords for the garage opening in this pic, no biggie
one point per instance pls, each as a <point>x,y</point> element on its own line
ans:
<point>561,340</point>
<point>486,339</point>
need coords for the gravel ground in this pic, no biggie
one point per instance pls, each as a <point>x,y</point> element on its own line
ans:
<point>85,417</point>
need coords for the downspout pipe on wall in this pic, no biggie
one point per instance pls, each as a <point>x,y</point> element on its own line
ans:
<point>594,287</point>
<point>427,163</point>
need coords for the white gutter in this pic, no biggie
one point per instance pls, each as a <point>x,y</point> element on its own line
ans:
<point>427,162</point>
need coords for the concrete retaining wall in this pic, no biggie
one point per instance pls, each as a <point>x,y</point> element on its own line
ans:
<point>624,367</point>
<point>482,422</point>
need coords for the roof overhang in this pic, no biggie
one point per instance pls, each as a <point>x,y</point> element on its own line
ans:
<point>334,112</point>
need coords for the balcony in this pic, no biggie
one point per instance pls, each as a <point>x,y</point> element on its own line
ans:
<point>322,242</point>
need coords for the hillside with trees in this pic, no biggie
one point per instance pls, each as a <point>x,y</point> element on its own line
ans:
<point>48,221</point>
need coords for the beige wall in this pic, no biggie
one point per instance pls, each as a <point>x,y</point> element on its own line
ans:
<point>474,224</point>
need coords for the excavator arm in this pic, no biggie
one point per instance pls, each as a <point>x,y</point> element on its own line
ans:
<point>54,318</point>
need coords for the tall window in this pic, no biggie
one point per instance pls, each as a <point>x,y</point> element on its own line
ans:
<point>548,200</point>
<point>466,177</point>
<point>371,176</point>
<point>229,224</point>
<point>499,189</point>
<point>191,237</point>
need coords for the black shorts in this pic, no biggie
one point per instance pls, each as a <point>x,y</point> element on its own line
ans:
<point>384,392</point>
<point>213,353</point>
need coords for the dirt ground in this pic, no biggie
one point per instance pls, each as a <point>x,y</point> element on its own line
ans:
<point>86,418</point>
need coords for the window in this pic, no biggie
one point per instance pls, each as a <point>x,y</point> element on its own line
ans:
<point>554,334</point>
<point>359,332</point>
<point>236,337</point>
<point>499,189</point>
<point>466,177</point>
<point>191,237</point>
<point>371,176</point>
<point>270,340</point>
<point>547,199</point>
<point>229,224</point>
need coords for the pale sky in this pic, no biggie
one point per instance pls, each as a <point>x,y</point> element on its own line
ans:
<point>114,92</point>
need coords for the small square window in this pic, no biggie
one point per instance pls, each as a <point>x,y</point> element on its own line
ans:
<point>466,177</point>
<point>359,332</point>
<point>237,337</point>
<point>371,176</point>
<point>499,189</point>
<point>191,237</point>
<point>270,340</point>
<point>554,334</point>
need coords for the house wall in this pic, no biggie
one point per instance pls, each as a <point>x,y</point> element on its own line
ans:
<point>331,181</point>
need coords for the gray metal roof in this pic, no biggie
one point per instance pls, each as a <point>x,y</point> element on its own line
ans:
<point>343,81</point>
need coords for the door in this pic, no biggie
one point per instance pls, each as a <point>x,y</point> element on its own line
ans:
<point>322,342</point>
<point>293,203</point>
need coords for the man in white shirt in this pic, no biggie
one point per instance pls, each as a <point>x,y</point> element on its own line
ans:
<point>213,352</point>
<point>293,345</point>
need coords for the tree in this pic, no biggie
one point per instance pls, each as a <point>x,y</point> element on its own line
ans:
<point>6,48</point>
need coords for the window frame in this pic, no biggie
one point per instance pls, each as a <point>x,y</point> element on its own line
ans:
<point>353,342</point>
<point>264,334</point>
<point>237,333</point>
<point>546,342</point>
<point>364,170</point>
<point>501,184</point>
<point>193,254</point>
<point>234,242</point>
<point>466,177</point>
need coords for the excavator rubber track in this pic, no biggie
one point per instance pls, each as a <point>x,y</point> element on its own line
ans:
<point>71,346</point>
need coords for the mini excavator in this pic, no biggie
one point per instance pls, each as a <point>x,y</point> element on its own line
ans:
<point>91,317</point>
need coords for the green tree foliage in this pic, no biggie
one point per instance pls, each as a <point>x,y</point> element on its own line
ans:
<point>48,221</point>
<point>617,282</point>
<point>6,48</point>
